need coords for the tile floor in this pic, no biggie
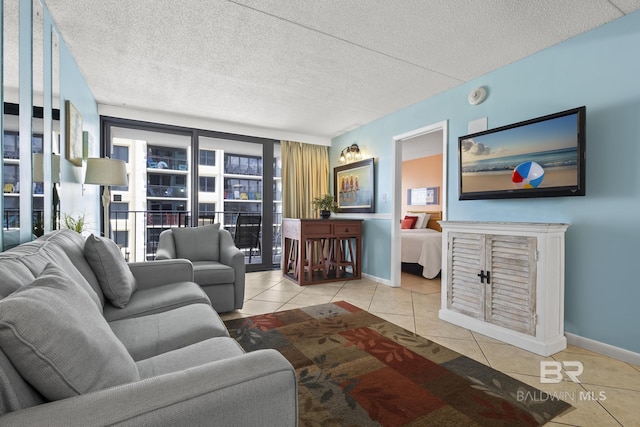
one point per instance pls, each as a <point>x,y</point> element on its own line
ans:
<point>414,306</point>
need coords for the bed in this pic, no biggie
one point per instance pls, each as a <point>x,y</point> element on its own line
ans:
<point>421,248</point>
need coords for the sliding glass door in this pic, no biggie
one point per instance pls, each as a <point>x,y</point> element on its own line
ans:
<point>187,177</point>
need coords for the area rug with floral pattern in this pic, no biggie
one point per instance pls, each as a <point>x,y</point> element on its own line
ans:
<point>355,369</point>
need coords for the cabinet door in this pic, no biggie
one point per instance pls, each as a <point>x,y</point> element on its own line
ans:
<point>466,257</point>
<point>511,291</point>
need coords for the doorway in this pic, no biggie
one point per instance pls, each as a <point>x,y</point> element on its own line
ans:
<point>425,141</point>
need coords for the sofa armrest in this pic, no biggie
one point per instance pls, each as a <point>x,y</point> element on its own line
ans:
<point>255,389</point>
<point>229,254</point>
<point>232,256</point>
<point>166,246</point>
<point>156,273</point>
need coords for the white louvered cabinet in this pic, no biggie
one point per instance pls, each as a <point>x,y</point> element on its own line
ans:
<point>506,280</point>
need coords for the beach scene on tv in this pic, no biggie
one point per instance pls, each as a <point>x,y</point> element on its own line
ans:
<point>537,155</point>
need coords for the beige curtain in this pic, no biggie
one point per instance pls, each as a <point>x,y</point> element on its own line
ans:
<point>305,175</point>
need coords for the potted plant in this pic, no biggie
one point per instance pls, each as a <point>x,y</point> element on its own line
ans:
<point>325,204</point>
<point>75,224</point>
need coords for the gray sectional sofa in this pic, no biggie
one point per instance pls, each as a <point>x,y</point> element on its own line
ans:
<point>87,339</point>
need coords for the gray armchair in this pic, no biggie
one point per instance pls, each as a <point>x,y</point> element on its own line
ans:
<point>218,265</point>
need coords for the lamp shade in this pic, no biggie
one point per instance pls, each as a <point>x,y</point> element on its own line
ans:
<point>105,171</point>
<point>38,167</point>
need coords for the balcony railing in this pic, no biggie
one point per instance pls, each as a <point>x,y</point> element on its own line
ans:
<point>137,232</point>
<point>11,220</point>
<point>172,191</point>
<point>167,162</point>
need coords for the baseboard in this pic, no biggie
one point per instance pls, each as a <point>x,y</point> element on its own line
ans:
<point>379,280</point>
<point>604,349</point>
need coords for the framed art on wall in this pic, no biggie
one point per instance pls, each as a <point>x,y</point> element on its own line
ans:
<point>354,186</point>
<point>74,137</point>
<point>423,196</point>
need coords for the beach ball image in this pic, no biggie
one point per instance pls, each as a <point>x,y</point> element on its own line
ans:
<point>527,175</point>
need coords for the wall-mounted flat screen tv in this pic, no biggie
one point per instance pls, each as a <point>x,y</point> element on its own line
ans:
<point>541,157</point>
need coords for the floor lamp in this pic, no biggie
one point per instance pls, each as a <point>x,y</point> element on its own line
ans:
<point>106,172</point>
<point>38,176</point>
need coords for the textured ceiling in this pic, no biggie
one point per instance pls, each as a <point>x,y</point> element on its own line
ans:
<point>318,67</point>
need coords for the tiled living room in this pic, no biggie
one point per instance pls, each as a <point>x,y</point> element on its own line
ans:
<point>206,205</point>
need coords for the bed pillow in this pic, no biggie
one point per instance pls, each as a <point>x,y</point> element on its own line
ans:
<point>57,339</point>
<point>111,269</point>
<point>423,220</point>
<point>409,222</point>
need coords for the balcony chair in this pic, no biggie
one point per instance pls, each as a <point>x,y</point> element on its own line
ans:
<point>218,265</point>
<point>247,232</point>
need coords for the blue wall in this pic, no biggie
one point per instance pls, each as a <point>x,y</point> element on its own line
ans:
<point>73,87</point>
<point>599,69</point>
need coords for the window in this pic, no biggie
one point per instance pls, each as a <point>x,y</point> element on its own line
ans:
<point>242,189</point>
<point>121,238</point>
<point>166,213</point>
<point>171,205</point>
<point>206,208</point>
<point>163,185</point>
<point>120,153</point>
<point>11,212</point>
<point>11,176</point>
<point>207,157</point>
<point>207,184</point>
<point>243,165</point>
<point>166,158</point>
<point>206,213</point>
<point>119,210</point>
<point>37,144</point>
<point>11,146</point>
<point>162,156</point>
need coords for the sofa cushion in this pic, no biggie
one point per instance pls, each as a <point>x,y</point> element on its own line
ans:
<point>156,300</point>
<point>148,336</point>
<point>197,354</point>
<point>55,254</point>
<point>115,278</point>
<point>197,243</point>
<point>58,340</point>
<point>37,254</point>
<point>72,243</point>
<point>15,392</point>
<point>13,274</point>
<point>212,273</point>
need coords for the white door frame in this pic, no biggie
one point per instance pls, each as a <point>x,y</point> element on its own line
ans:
<point>396,172</point>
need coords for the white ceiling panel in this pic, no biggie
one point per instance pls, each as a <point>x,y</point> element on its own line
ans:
<point>312,67</point>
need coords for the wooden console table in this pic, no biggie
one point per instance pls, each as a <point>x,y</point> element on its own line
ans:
<point>321,250</point>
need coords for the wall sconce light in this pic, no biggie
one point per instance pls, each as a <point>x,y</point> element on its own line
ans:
<point>351,154</point>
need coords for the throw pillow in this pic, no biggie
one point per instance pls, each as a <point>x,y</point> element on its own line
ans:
<point>58,341</point>
<point>414,220</point>
<point>198,243</point>
<point>408,223</point>
<point>111,270</point>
